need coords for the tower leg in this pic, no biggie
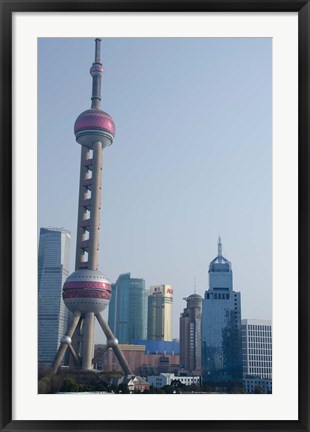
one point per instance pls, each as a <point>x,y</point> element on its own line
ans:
<point>113,343</point>
<point>88,340</point>
<point>74,355</point>
<point>65,341</point>
<point>77,340</point>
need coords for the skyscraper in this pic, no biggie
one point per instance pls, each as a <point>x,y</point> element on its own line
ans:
<point>221,324</point>
<point>190,334</point>
<point>159,315</point>
<point>53,270</point>
<point>257,348</point>
<point>128,309</point>
<point>87,291</point>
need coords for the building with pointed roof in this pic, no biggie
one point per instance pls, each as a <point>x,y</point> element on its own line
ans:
<point>221,325</point>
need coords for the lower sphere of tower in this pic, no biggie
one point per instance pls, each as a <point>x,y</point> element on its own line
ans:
<point>86,291</point>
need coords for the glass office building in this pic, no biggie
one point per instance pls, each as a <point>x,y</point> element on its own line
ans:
<point>221,325</point>
<point>53,270</point>
<point>128,309</point>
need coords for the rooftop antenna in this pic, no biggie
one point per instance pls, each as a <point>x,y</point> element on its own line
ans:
<point>195,285</point>
<point>219,247</point>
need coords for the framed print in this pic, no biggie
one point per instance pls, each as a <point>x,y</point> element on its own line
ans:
<point>200,317</point>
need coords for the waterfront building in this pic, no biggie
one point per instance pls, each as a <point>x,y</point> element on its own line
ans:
<point>128,309</point>
<point>163,379</point>
<point>159,317</point>
<point>221,325</point>
<point>257,348</point>
<point>159,347</point>
<point>257,384</point>
<point>140,360</point>
<point>53,269</point>
<point>190,334</point>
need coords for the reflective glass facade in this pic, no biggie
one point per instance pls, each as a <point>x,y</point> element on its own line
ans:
<point>53,270</point>
<point>128,309</point>
<point>221,325</point>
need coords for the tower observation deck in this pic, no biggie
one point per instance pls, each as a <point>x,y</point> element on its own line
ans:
<point>87,291</point>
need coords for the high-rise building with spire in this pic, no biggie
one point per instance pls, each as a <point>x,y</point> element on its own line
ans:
<point>221,324</point>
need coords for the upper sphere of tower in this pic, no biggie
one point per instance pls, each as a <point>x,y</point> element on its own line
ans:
<point>94,125</point>
<point>96,69</point>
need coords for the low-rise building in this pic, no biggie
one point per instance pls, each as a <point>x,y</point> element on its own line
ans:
<point>256,384</point>
<point>163,379</point>
<point>135,383</point>
<point>139,359</point>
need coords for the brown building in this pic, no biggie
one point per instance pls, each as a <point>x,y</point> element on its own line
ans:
<point>190,334</point>
<point>140,362</point>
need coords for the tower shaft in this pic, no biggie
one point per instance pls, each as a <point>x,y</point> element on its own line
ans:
<point>88,227</point>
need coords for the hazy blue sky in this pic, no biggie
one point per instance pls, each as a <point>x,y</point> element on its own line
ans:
<point>191,158</point>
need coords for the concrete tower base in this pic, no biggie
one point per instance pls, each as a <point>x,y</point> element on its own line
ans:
<point>86,361</point>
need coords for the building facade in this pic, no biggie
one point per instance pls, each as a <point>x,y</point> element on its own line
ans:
<point>128,309</point>
<point>53,270</point>
<point>190,334</point>
<point>159,347</point>
<point>257,348</point>
<point>139,359</point>
<point>256,384</point>
<point>159,317</point>
<point>221,325</point>
<point>164,379</point>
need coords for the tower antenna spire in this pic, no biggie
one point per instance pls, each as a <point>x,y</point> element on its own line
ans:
<point>96,72</point>
<point>97,50</point>
<point>219,247</point>
<point>194,285</point>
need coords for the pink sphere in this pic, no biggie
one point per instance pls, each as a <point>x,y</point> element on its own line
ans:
<point>94,119</point>
<point>86,291</point>
<point>94,125</point>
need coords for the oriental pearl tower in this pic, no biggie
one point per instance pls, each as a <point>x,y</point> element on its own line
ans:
<point>87,291</point>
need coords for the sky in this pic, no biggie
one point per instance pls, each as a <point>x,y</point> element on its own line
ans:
<point>191,158</point>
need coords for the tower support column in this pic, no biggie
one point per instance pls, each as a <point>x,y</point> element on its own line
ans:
<point>81,210</point>
<point>88,340</point>
<point>113,343</point>
<point>66,341</point>
<point>93,246</point>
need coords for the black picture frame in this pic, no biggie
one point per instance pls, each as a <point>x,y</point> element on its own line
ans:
<point>8,7</point>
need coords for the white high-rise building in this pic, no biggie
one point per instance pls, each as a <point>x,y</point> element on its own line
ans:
<point>53,270</point>
<point>257,348</point>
